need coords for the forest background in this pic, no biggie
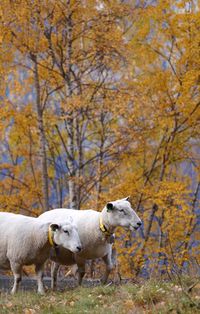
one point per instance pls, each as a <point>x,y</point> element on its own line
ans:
<point>100,100</point>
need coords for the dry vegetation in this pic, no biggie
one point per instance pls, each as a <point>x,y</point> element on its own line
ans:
<point>148,297</point>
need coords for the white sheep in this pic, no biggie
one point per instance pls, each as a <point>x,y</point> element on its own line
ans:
<point>96,233</point>
<point>27,240</point>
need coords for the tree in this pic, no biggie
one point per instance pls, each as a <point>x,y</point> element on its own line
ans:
<point>101,100</point>
<point>162,125</point>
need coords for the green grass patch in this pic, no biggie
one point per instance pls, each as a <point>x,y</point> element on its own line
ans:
<point>149,297</point>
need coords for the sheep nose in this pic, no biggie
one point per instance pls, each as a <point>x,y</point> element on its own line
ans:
<point>79,248</point>
<point>139,223</point>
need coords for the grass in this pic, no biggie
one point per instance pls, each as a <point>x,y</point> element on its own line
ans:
<point>149,297</point>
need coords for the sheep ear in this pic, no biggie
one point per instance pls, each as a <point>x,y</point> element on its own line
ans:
<point>127,198</point>
<point>54,227</point>
<point>110,207</point>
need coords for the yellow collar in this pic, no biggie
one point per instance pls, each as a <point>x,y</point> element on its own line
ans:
<point>103,228</point>
<point>50,237</point>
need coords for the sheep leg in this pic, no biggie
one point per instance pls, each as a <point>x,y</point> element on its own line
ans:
<point>54,272</point>
<point>109,266</point>
<point>39,275</point>
<point>81,271</point>
<point>17,270</point>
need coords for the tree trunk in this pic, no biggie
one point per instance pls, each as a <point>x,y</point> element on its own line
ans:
<point>43,155</point>
<point>70,120</point>
<point>100,161</point>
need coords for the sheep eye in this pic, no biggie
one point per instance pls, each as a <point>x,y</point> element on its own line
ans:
<point>66,231</point>
<point>122,211</point>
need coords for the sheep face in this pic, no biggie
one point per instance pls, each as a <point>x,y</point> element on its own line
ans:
<point>120,213</point>
<point>66,235</point>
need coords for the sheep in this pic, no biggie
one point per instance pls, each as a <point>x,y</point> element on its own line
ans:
<point>27,240</point>
<point>96,232</point>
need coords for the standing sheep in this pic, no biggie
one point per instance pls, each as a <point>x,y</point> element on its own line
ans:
<point>96,234</point>
<point>27,240</point>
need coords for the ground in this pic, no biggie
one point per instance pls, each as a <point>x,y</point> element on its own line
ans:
<point>145,297</point>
